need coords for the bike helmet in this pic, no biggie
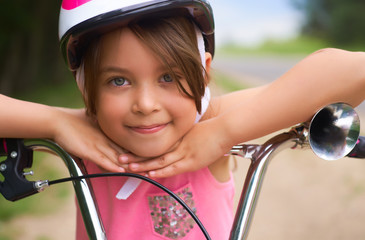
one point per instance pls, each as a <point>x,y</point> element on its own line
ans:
<point>81,20</point>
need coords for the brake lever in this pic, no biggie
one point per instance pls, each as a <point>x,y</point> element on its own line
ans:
<point>15,186</point>
<point>359,149</point>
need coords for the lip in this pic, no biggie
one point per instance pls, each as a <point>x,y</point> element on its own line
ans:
<point>148,129</point>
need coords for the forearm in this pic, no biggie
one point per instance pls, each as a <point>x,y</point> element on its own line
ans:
<point>21,119</point>
<point>322,78</point>
<point>70,128</point>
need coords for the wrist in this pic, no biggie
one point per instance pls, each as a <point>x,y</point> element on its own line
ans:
<point>225,137</point>
<point>57,119</point>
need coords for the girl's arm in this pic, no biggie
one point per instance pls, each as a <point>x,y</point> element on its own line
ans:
<point>324,77</point>
<point>70,128</point>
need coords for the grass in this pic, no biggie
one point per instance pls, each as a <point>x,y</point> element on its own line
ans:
<point>65,95</point>
<point>296,46</point>
<point>41,203</point>
<point>227,83</point>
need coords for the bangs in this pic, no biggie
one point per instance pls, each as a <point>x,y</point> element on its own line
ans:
<point>174,42</point>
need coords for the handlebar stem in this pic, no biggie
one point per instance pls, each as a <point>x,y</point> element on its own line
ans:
<point>260,156</point>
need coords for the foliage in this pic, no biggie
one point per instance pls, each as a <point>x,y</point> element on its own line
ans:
<point>44,166</point>
<point>61,94</point>
<point>341,22</point>
<point>227,83</point>
<point>29,49</point>
<point>42,202</point>
<point>297,46</point>
<point>30,55</point>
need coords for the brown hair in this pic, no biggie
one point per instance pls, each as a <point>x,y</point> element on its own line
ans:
<point>173,40</point>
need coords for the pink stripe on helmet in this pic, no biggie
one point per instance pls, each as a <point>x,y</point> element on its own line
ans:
<point>71,4</point>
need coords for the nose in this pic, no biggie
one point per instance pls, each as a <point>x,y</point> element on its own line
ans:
<point>146,100</point>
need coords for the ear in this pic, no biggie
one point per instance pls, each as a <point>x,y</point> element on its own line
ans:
<point>208,62</point>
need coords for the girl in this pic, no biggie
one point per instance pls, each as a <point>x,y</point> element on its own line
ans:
<point>143,83</point>
<point>143,73</point>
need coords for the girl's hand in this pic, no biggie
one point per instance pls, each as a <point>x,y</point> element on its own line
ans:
<point>200,147</point>
<point>81,137</point>
<point>70,128</point>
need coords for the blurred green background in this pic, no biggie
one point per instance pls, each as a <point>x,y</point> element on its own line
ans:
<point>31,60</point>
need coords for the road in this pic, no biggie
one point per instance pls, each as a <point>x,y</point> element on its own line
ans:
<point>258,70</point>
<point>302,197</point>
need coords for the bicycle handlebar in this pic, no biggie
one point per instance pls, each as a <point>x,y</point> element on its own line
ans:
<point>15,185</point>
<point>359,149</point>
<point>19,156</point>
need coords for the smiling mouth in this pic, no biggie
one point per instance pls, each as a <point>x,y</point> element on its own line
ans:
<point>149,129</point>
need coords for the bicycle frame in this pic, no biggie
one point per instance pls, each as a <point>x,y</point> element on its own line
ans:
<point>260,156</point>
<point>83,188</point>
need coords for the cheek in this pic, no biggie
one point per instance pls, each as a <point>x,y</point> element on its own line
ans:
<point>109,109</point>
<point>184,110</point>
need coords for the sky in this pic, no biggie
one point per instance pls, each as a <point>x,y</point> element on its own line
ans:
<point>249,22</point>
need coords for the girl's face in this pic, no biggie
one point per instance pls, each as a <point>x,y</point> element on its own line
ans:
<point>139,105</point>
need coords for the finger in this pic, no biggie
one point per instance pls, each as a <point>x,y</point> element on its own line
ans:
<point>113,152</point>
<point>104,157</point>
<point>157,163</point>
<point>103,170</point>
<point>105,163</point>
<point>125,167</point>
<point>130,158</point>
<point>169,171</point>
<point>117,148</point>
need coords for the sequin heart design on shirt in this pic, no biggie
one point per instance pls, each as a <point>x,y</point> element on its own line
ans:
<point>170,219</point>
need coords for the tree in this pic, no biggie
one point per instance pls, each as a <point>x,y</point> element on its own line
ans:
<point>29,47</point>
<point>341,22</point>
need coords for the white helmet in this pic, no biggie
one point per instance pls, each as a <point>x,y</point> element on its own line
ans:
<point>81,20</point>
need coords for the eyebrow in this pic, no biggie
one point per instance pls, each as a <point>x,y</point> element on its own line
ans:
<point>117,69</point>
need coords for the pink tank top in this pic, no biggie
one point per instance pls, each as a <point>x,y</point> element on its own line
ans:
<point>150,213</point>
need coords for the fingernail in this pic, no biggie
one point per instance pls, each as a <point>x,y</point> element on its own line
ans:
<point>121,169</point>
<point>124,159</point>
<point>133,166</point>
<point>152,173</point>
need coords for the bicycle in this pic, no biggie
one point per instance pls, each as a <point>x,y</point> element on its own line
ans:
<point>332,134</point>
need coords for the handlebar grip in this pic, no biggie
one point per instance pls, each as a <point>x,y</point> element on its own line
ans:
<point>359,149</point>
<point>15,186</point>
<point>3,148</point>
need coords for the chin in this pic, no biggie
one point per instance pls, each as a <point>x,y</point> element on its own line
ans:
<point>150,152</point>
<point>144,154</point>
